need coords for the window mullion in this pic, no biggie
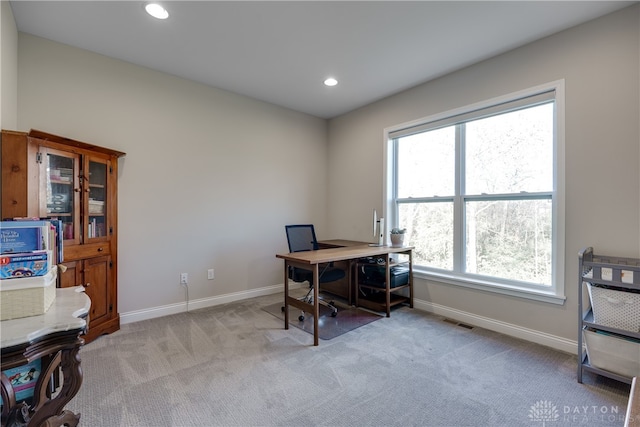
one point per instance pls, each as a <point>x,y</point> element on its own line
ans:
<point>395,214</point>
<point>458,205</point>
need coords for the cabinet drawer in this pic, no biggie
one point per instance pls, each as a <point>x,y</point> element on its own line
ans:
<point>90,250</point>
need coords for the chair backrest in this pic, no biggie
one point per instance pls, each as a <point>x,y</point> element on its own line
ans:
<point>301,237</point>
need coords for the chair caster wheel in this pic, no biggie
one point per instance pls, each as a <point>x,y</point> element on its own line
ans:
<point>334,313</point>
<point>301,318</point>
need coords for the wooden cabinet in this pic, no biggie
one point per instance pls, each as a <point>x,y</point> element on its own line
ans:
<point>49,176</point>
<point>95,275</point>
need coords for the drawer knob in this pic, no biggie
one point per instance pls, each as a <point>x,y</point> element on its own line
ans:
<point>87,285</point>
<point>100,249</point>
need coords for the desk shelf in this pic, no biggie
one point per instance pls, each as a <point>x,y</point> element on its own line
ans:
<point>603,347</point>
<point>383,296</point>
<point>377,301</point>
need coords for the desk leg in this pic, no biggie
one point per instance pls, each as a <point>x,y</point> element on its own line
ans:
<point>286,294</point>
<point>350,283</point>
<point>411,279</point>
<point>316,302</point>
<point>388,284</point>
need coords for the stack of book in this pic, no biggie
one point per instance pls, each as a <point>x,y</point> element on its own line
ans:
<point>29,248</point>
<point>29,253</point>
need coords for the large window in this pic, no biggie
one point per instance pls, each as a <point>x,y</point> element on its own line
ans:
<point>477,191</point>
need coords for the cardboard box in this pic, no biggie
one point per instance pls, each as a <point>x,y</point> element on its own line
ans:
<point>29,296</point>
<point>14,266</point>
<point>96,206</point>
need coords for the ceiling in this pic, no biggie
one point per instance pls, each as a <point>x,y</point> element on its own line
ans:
<point>281,52</point>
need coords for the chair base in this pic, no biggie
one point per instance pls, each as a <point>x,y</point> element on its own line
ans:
<point>308,298</point>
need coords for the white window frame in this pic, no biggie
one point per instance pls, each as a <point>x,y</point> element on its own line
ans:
<point>552,294</point>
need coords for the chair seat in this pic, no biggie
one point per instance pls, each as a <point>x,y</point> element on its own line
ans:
<point>326,276</point>
<point>331,275</point>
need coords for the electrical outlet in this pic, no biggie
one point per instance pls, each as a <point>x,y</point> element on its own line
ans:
<point>210,274</point>
<point>184,278</point>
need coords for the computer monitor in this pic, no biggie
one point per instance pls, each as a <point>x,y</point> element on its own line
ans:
<point>378,229</point>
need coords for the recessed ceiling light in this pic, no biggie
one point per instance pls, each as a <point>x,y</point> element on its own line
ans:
<point>330,82</point>
<point>156,10</point>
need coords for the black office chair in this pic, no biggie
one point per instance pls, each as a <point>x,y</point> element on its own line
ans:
<point>302,237</point>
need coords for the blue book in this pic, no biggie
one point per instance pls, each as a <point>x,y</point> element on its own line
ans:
<point>25,223</point>
<point>23,380</point>
<point>57,224</point>
<point>21,239</point>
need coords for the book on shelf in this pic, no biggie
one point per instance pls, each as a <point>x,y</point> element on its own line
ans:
<point>95,229</point>
<point>58,238</point>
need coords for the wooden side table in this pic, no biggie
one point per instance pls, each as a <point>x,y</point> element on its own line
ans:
<point>52,340</point>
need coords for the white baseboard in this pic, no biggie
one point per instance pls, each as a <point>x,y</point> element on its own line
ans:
<point>166,310</point>
<point>559,343</point>
<point>553,341</point>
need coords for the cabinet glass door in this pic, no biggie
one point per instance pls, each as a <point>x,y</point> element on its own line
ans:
<point>62,190</point>
<point>96,227</point>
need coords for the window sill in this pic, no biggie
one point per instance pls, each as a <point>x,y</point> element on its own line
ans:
<point>493,287</point>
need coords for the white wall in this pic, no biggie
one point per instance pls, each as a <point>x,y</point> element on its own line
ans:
<point>8,68</point>
<point>209,180</point>
<point>599,61</point>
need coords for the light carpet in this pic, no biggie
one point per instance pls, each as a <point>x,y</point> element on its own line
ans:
<point>235,365</point>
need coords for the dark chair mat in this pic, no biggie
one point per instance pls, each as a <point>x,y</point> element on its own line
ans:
<point>348,319</point>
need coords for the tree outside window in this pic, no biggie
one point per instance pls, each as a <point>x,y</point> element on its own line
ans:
<point>476,191</point>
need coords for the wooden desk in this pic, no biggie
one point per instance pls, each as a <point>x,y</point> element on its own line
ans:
<point>311,260</point>
<point>343,288</point>
<point>54,339</point>
<point>339,243</point>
